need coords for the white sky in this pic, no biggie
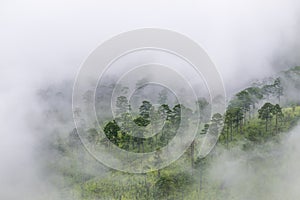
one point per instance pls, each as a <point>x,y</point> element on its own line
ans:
<point>52,38</point>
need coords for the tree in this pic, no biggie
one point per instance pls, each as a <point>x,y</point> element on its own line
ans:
<point>158,160</point>
<point>74,139</point>
<point>205,129</point>
<point>141,121</point>
<point>265,113</point>
<point>229,120</point>
<point>204,109</point>
<point>192,154</point>
<point>139,132</point>
<point>145,109</point>
<point>122,105</point>
<point>278,89</point>
<point>126,123</point>
<point>176,116</point>
<point>156,124</point>
<point>267,91</point>
<point>254,133</point>
<point>169,186</point>
<point>164,111</point>
<point>255,92</point>
<point>139,136</point>
<point>275,89</point>
<point>236,115</point>
<point>183,181</point>
<point>165,186</point>
<point>93,136</point>
<point>111,130</point>
<point>216,124</point>
<point>255,95</point>
<point>278,114</point>
<point>163,96</point>
<point>244,102</point>
<point>124,140</point>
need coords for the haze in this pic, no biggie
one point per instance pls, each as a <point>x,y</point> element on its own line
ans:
<point>44,43</point>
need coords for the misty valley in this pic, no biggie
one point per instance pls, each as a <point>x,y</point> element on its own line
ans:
<point>255,156</point>
<point>150,100</point>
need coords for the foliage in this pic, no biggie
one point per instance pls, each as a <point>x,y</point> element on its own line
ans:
<point>251,120</point>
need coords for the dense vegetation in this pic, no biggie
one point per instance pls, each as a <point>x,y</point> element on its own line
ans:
<point>255,116</point>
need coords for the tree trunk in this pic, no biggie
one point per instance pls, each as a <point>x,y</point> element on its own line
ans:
<point>276,124</point>
<point>227,136</point>
<point>231,132</point>
<point>241,127</point>
<point>192,153</point>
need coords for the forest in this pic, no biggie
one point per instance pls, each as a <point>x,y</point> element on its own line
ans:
<point>257,119</point>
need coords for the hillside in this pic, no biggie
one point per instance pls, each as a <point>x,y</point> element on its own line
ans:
<point>253,127</point>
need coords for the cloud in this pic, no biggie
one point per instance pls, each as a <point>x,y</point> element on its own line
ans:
<point>268,172</point>
<point>44,43</point>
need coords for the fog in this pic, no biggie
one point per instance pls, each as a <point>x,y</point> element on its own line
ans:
<point>269,172</point>
<point>44,43</point>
